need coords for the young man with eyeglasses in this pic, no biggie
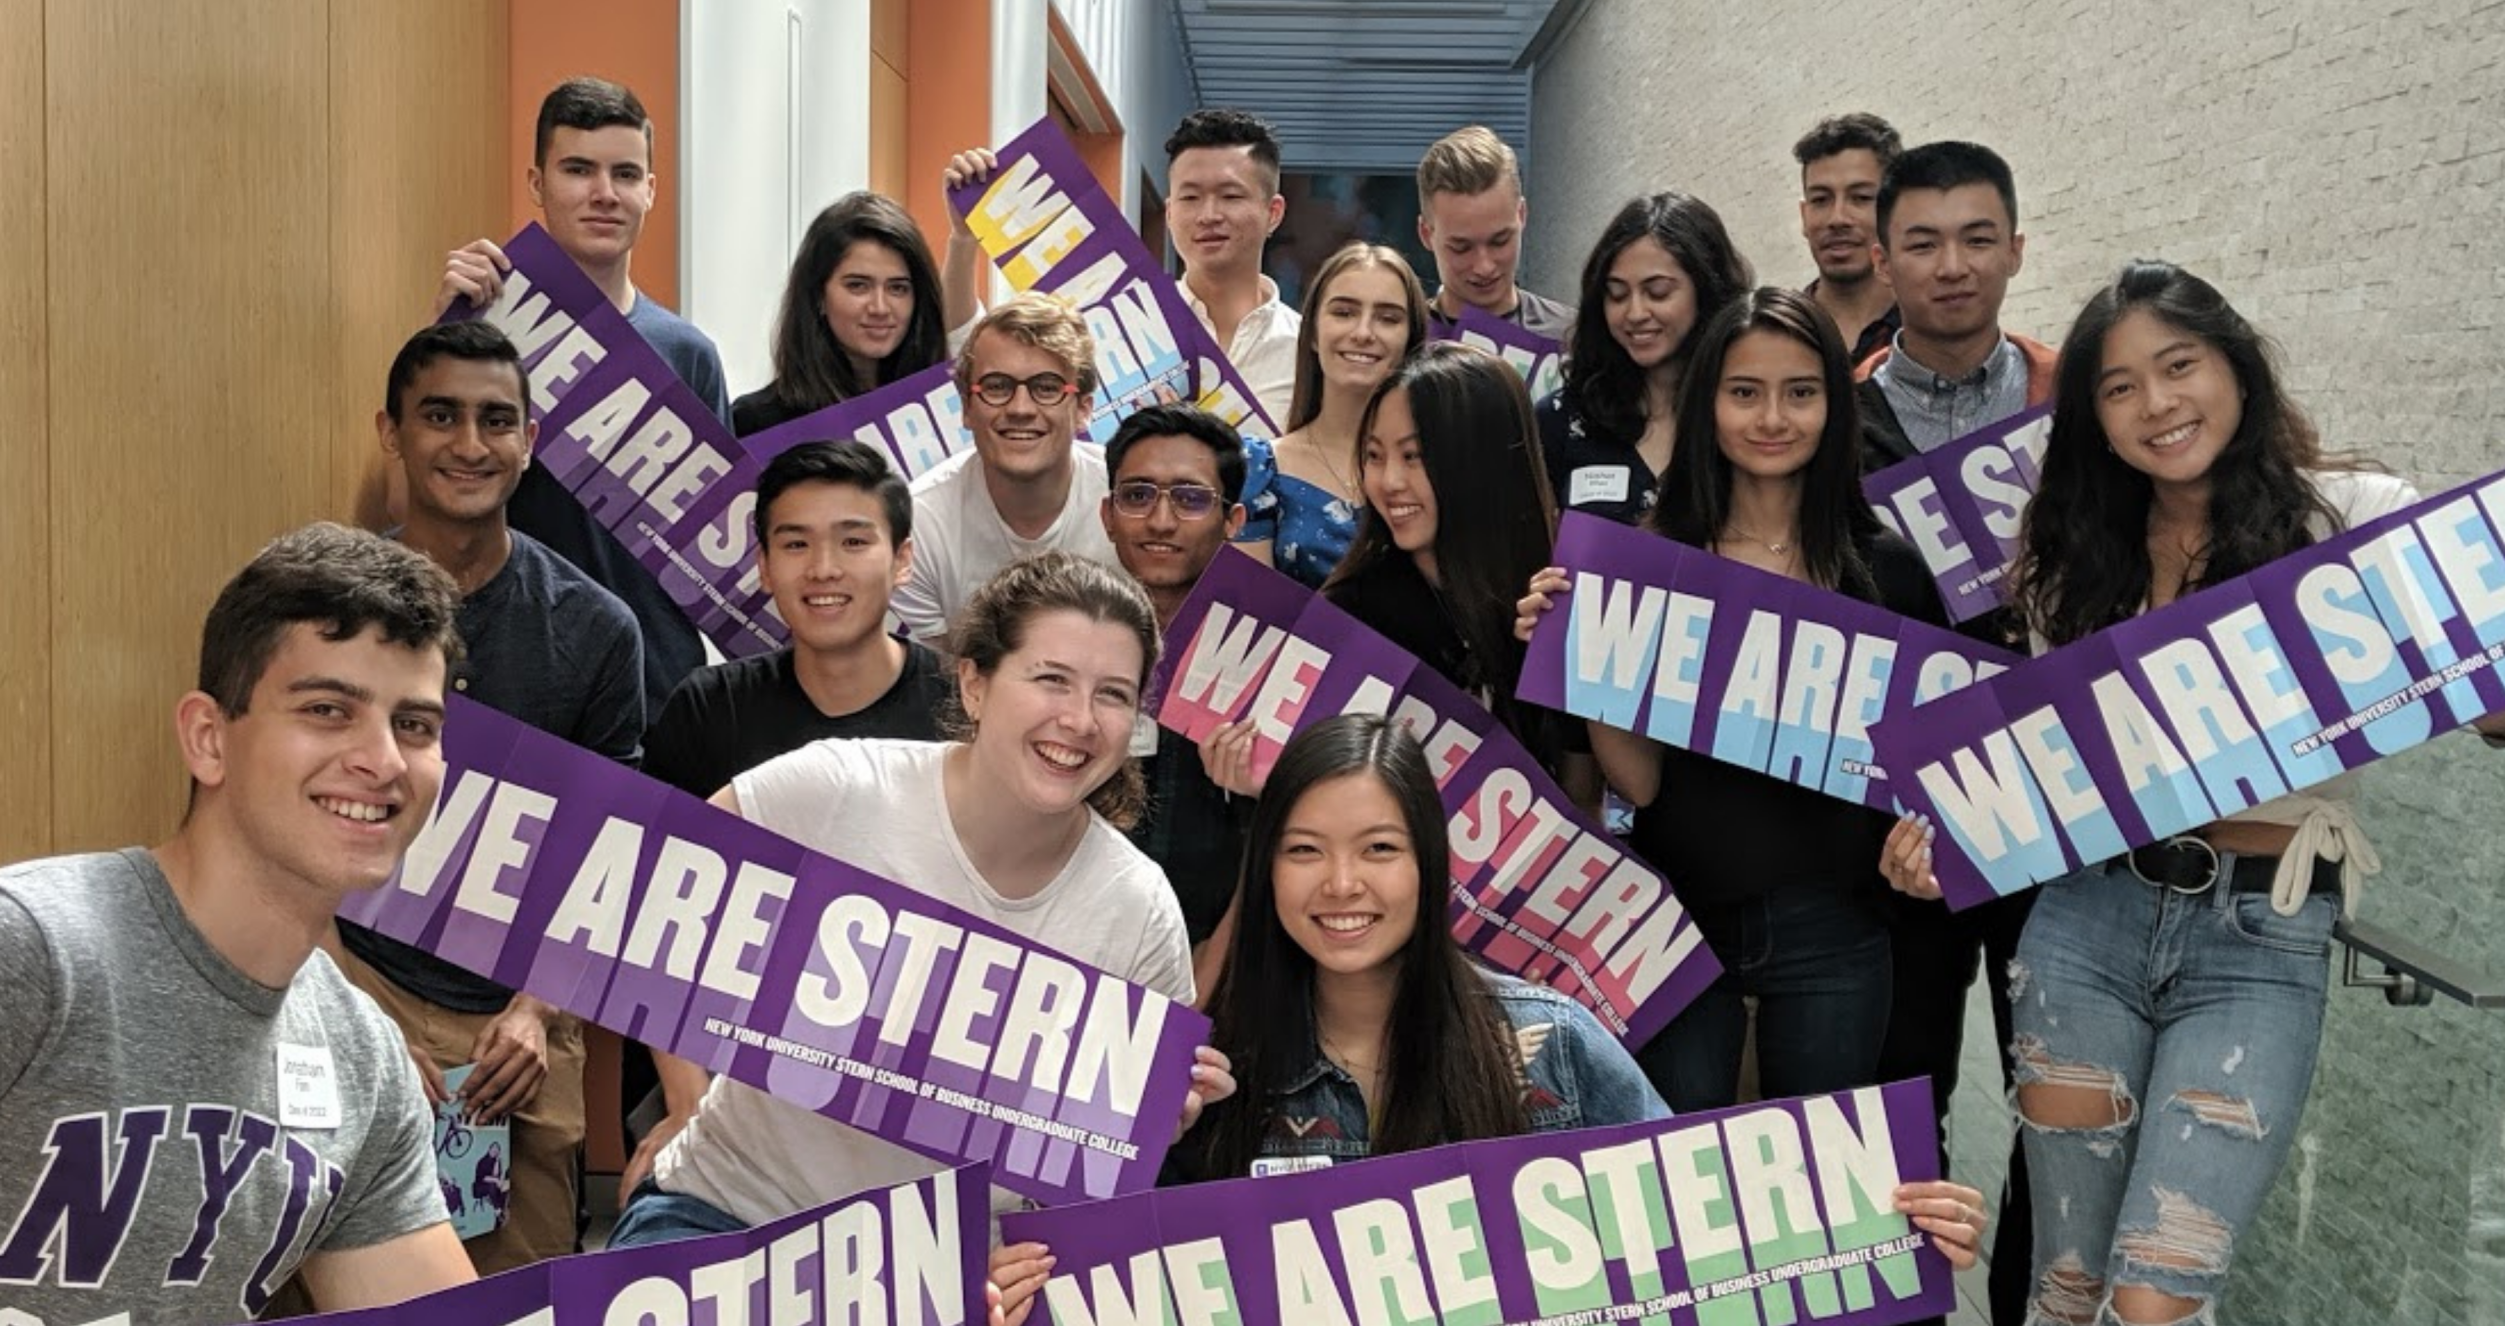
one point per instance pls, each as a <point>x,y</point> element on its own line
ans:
<point>1026,376</point>
<point>1177,498</point>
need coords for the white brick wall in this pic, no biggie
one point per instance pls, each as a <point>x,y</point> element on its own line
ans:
<point>2338,169</point>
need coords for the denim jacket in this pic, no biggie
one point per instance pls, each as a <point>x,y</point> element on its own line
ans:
<point>1580,1077</point>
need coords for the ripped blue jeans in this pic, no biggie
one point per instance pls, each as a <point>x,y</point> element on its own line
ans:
<point>2185,1028</point>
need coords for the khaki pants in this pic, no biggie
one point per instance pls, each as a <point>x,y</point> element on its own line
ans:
<point>547,1133</point>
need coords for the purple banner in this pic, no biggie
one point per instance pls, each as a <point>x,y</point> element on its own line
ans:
<point>1960,506</point>
<point>1539,360</point>
<point>913,1254</point>
<point>2362,646</point>
<point>1777,1212</point>
<point>620,430</point>
<point>678,924</point>
<point>1539,889</point>
<point>1048,224</point>
<point>1717,657</point>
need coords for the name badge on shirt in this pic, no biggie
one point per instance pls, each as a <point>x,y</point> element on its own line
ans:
<point>1596,483</point>
<point>1266,1167</point>
<point>1143,736</point>
<point>308,1089</point>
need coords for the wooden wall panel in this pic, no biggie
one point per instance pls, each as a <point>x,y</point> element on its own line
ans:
<point>948,100</point>
<point>25,517</point>
<point>420,164</point>
<point>191,343</point>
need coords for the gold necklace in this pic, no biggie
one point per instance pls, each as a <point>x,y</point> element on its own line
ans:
<point>1778,549</point>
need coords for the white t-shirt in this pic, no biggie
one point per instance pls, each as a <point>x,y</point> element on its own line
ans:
<point>879,805</point>
<point>1263,350</point>
<point>960,541</point>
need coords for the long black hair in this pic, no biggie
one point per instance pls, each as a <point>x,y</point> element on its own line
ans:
<point>1494,518</point>
<point>1450,1068</point>
<point>2083,562</point>
<point>811,370</point>
<point>1603,387</point>
<point>1694,501</point>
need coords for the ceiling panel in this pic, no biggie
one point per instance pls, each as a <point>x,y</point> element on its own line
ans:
<point>1368,84</point>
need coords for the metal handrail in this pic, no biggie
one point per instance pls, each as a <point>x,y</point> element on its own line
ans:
<point>2413,975</point>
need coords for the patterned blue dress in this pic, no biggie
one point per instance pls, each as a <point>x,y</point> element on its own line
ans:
<point>1309,527</point>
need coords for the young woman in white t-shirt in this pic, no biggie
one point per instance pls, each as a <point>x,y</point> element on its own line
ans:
<point>1017,823</point>
<point>2170,1000</point>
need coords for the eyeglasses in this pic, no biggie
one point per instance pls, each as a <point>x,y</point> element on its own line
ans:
<point>1138,498</point>
<point>1045,389</point>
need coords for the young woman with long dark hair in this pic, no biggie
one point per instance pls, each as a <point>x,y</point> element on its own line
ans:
<point>860,310</point>
<point>1365,313</point>
<point>1778,876</point>
<point>2173,995</point>
<point>1660,271</point>
<point>1355,1024</point>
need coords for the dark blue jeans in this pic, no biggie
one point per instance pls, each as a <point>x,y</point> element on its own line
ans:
<point>1816,962</point>
<point>653,1216</point>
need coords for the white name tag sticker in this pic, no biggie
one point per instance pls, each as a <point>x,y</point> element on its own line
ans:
<point>1596,483</point>
<point>1143,736</point>
<point>1264,1168</point>
<point>308,1088</point>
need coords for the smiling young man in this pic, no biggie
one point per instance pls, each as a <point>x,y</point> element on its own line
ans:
<point>1470,216</point>
<point>550,647</point>
<point>1842,161</point>
<point>1948,244</point>
<point>1176,499</point>
<point>835,538</point>
<point>194,1106</point>
<point>1027,485</point>
<point>1222,203</point>
<point>592,178</point>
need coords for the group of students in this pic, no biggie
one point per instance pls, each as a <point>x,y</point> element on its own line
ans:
<point>994,756</point>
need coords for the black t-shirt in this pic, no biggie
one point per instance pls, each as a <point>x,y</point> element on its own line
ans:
<point>1193,830</point>
<point>729,718</point>
<point>1722,834</point>
<point>1591,469</point>
<point>760,410</point>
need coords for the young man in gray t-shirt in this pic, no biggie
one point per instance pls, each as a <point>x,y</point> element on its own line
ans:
<point>194,1105</point>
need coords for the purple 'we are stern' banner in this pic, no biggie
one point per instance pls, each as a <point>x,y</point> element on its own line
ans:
<point>1539,889</point>
<point>675,923</point>
<point>1961,506</point>
<point>910,1255</point>
<point>1049,226</point>
<point>1776,1212</point>
<point>1710,655</point>
<point>1539,360</point>
<point>2361,646</point>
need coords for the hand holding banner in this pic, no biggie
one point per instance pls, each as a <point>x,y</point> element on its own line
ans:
<point>1713,656</point>
<point>913,1254</point>
<point>2358,647</point>
<point>1961,506</point>
<point>1539,890</point>
<point>1048,224</point>
<point>1782,1211</point>
<point>672,922</point>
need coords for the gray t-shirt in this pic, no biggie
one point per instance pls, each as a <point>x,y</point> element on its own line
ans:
<point>150,1160</point>
<point>879,805</point>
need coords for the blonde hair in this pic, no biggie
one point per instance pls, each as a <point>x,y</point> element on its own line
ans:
<point>1049,323</point>
<point>1466,161</point>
